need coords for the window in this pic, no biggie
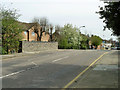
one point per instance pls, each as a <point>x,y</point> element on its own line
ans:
<point>25,32</point>
<point>33,34</point>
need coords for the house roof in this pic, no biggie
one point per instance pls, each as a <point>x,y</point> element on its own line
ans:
<point>56,35</point>
<point>27,26</point>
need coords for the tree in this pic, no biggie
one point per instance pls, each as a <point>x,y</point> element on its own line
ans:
<point>69,37</point>
<point>84,41</point>
<point>36,30</point>
<point>43,22</point>
<point>111,15</point>
<point>11,30</point>
<point>118,40</point>
<point>57,29</point>
<point>96,40</point>
<point>56,34</point>
<point>51,31</point>
<point>63,43</point>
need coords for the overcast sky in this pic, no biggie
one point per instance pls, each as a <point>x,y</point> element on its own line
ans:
<point>61,12</point>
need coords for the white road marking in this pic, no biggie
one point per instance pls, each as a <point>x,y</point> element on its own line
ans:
<point>60,59</point>
<point>19,71</point>
<point>12,74</point>
<point>34,63</point>
<point>28,68</point>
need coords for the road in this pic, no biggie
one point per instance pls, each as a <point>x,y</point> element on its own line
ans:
<point>47,69</point>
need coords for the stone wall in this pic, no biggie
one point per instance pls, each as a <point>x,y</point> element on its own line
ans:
<point>38,46</point>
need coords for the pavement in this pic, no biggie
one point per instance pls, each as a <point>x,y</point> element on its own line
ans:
<point>104,74</point>
<point>4,57</point>
<point>23,54</point>
<point>57,68</point>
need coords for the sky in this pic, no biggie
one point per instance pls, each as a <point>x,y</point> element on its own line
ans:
<point>61,12</point>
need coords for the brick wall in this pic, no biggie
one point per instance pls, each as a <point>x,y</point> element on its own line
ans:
<point>38,46</point>
<point>32,35</point>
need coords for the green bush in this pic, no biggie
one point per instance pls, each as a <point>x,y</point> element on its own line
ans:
<point>2,50</point>
<point>83,46</point>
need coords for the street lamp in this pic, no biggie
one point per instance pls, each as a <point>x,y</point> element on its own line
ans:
<point>82,26</point>
<point>79,36</point>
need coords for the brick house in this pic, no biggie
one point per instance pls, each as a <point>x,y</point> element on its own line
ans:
<point>29,34</point>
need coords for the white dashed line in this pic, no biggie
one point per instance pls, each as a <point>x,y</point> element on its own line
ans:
<point>34,63</point>
<point>29,68</point>
<point>12,74</point>
<point>60,59</point>
<point>19,71</point>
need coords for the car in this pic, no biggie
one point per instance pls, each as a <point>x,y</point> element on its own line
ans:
<point>106,47</point>
<point>113,48</point>
<point>118,48</point>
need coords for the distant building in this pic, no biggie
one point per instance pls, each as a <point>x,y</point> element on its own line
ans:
<point>29,34</point>
<point>117,44</point>
<point>93,47</point>
<point>108,45</point>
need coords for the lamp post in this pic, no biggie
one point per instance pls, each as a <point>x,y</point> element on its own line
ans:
<point>79,28</point>
<point>82,26</point>
<point>79,36</point>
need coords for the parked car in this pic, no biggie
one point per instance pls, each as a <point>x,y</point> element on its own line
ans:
<point>118,48</point>
<point>113,48</point>
<point>106,47</point>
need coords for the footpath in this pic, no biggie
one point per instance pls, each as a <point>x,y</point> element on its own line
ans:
<point>103,75</point>
<point>2,57</point>
<point>23,54</point>
<point>16,55</point>
<point>31,53</point>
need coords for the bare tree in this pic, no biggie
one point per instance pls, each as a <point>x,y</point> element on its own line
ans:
<point>47,29</point>
<point>51,30</point>
<point>36,30</point>
<point>43,22</point>
<point>36,20</point>
<point>57,29</point>
<point>56,34</point>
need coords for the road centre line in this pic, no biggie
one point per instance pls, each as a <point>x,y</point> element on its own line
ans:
<point>34,63</point>
<point>66,86</point>
<point>60,59</point>
<point>12,74</point>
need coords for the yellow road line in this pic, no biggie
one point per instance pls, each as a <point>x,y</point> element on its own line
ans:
<point>66,86</point>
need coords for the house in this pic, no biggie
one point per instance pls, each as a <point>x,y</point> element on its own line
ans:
<point>106,44</point>
<point>29,32</point>
<point>93,47</point>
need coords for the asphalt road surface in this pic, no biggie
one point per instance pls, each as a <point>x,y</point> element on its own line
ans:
<point>47,69</point>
